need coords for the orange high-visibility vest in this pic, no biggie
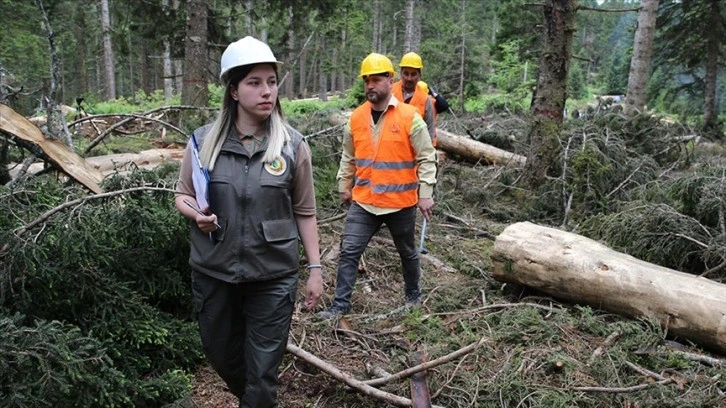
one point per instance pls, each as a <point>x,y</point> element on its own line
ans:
<point>386,172</point>
<point>420,95</point>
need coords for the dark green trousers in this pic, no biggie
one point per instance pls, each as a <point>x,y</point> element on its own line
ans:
<point>244,329</point>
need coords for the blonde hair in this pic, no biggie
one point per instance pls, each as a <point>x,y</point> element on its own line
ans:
<point>276,126</point>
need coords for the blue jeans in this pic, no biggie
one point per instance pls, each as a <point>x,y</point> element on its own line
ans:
<point>360,226</point>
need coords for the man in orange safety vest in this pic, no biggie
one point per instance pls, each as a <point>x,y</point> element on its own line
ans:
<point>387,173</point>
<point>412,90</point>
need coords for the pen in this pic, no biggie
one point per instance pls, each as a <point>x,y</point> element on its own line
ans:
<point>193,207</point>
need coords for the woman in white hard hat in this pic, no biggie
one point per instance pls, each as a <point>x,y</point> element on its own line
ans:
<point>244,244</point>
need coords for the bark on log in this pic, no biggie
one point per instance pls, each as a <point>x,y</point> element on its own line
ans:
<point>572,267</point>
<point>475,151</point>
<point>463,146</point>
<point>62,156</point>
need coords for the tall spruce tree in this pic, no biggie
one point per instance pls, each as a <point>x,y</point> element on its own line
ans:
<point>689,45</point>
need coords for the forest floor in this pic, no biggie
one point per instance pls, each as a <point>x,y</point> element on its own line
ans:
<point>535,351</point>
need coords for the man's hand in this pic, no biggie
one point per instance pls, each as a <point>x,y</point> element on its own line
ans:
<point>432,91</point>
<point>345,197</point>
<point>426,206</point>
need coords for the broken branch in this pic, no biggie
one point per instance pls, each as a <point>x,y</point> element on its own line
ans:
<point>347,378</point>
<point>430,364</point>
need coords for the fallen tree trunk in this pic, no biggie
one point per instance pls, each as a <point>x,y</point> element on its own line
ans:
<point>463,146</point>
<point>62,156</point>
<point>578,269</point>
<point>475,151</point>
<point>122,162</point>
<point>146,159</point>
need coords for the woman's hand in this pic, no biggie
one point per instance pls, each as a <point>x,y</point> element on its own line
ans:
<point>188,207</point>
<point>313,289</point>
<point>206,223</point>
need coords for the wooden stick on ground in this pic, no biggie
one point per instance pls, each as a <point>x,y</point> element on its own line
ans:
<point>645,371</point>
<point>427,365</point>
<point>620,390</point>
<point>348,379</point>
<point>420,395</point>
<point>607,343</point>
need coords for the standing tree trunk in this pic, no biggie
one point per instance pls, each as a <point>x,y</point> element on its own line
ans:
<point>408,36</point>
<point>194,91</point>
<point>79,28</point>
<point>377,26</point>
<point>249,26</point>
<point>549,100</point>
<point>109,76</point>
<point>416,39</point>
<point>710,117</point>
<point>344,68</point>
<point>462,55</point>
<point>166,59</point>
<point>56,124</point>
<point>289,89</point>
<point>302,93</point>
<point>322,71</point>
<point>642,51</point>
<point>167,72</point>
<point>333,72</point>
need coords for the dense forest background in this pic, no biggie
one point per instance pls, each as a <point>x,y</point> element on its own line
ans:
<point>95,305</point>
<point>472,49</point>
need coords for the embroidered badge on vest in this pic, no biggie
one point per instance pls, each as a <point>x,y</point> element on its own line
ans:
<point>277,167</point>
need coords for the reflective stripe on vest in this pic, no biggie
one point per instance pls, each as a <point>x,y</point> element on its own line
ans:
<point>386,173</point>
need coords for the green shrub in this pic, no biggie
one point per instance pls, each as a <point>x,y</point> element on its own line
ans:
<point>490,103</point>
<point>114,269</point>
<point>49,363</point>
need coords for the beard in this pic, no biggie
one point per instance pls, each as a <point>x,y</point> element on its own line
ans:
<point>374,96</point>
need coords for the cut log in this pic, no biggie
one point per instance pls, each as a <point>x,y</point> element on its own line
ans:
<point>60,155</point>
<point>575,268</point>
<point>146,159</point>
<point>475,151</point>
<point>122,162</point>
<point>463,146</point>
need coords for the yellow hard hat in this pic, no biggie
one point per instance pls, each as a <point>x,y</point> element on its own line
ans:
<point>423,85</point>
<point>411,60</point>
<point>376,64</point>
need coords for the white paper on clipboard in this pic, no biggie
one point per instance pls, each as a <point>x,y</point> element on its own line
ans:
<point>200,177</point>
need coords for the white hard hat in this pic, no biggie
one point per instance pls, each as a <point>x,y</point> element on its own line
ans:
<point>246,51</point>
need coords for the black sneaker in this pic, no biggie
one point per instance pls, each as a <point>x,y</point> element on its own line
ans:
<point>331,312</point>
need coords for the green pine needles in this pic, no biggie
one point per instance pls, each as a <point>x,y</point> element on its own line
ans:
<point>95,308</point>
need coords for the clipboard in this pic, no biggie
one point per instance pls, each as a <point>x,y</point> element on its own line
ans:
<point>200,177</point>
<point>200,180</point>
